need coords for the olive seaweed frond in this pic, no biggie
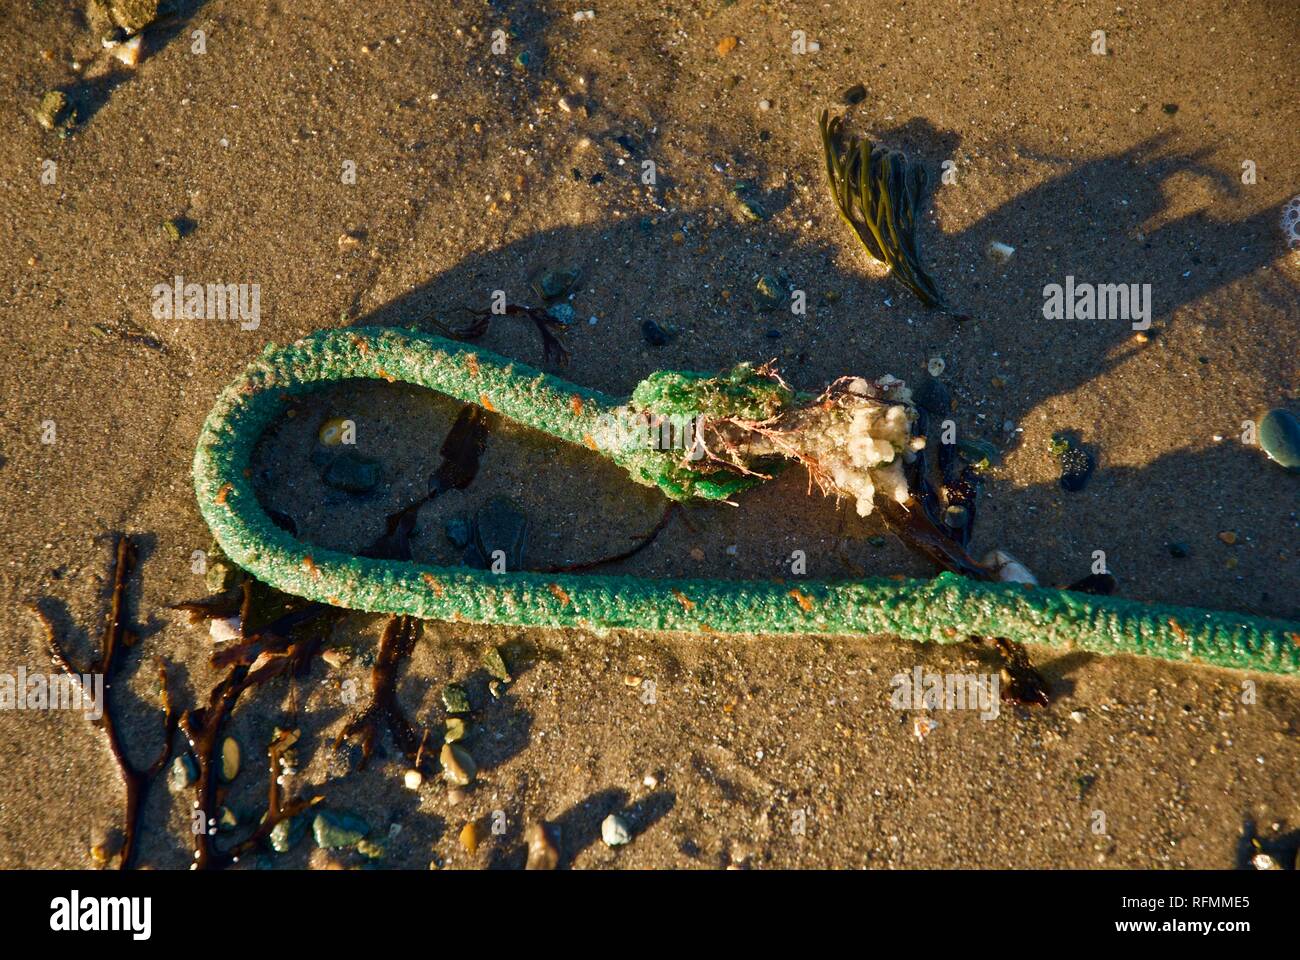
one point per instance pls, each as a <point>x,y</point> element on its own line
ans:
<point>879,193</point>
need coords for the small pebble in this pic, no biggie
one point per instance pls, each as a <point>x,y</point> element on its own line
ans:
<point>455,699</point>
<point>1178,550</point>
<point>495,664</point>
<point>184,771</point>
<point>456,730</point>
<point>458,766</point>
<point>1279,437</point>
<point>229,759</point>
<point>224,629</point>
<point>655,335</point>
<point>542,853</point>
<point>334,830</point>
<point>614,831</point>
<point>286,834</point>
<point>1228,536</point>
<point>413,779</point>
<point>1008,568</point>
<point>353,473</point>
<point>935,366</point>
<point>1000,252</point>
<point>853,95</point>
<point>469,837</point>
<point>333,431</point>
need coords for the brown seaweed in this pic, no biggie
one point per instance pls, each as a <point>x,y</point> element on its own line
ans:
<point>116,638</point>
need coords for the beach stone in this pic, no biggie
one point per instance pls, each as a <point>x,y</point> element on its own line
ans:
<point>495,664</point>
<point>1178,550</point>
<point>614,831</point>
<point>457,730</point>
<point>769,292</point>
<point>455,699</point>
<point>498,525</point>
<point>1279,436</point>
<point>555,283</point>
<point>542,853</point>
<point>853,95</point>
<point>184,771</point>
<point>932,396</point>
<point>561,313</point>
<point>459,530</point>
<point>229,759</point>
<point>286,834</point>
<point>333,431</point>
<point>134,15</point>
<point>335,830</point>
<point>353,473</point>
<point>655,335</point>
<point>977,452</point>
<point>458,766</point>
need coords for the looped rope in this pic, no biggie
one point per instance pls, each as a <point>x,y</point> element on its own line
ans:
<point>946,609</point>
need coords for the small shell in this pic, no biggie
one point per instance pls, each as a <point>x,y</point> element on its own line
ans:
<point>1008,568</point>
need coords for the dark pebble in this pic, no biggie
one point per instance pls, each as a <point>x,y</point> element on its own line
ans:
<point>656,335</point>
<point>854,94</point>
<point>1179,550</point>
<point>353,473</point>
<point>932,396</point>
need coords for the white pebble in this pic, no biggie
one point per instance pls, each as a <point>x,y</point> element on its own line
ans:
<point>614,831</point>
<point>225,629</point>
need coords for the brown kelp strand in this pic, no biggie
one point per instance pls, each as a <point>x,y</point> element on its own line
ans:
<point>476,323</point>
<point>264,653</point>
<point>400,635</point>
<point>642,542</point>
<point>114,641</point>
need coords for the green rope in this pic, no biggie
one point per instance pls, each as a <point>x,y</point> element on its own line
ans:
<point>946,609</point>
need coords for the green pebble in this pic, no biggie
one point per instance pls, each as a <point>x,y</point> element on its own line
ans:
<point>553,284</point>
<point>1279,437</point>
<point>455,699</point>
<point>286,834</point>
<point>457,730</point>
<point>334,831</point>
<point>980,454</point>
<point>53,113</point>
<point>770,292</point>
<point>496,664</point>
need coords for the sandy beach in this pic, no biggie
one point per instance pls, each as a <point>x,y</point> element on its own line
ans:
<point>388,166</point>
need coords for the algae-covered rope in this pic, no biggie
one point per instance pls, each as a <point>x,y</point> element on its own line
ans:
<point>946,609</point>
